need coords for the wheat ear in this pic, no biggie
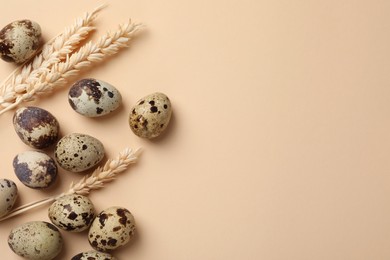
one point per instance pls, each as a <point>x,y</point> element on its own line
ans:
<point>94,181</point>
<point>52,52</point>
<point>104,174</point>
<point>107,45</point>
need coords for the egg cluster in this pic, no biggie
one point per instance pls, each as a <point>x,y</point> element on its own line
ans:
<point>74,152</point>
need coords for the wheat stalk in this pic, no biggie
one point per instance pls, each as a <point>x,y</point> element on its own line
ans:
<point>103,174</point>
<point>94,181</point>
<point>52,52</point>
<point>89,53</point>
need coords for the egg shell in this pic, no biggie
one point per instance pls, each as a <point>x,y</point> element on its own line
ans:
<point>35,169</point>
<point>36,127</point>
<point>112,228</point>
<point>8,195</point>
<point>93,255</point>
<point>78,152</point>
<point>36,240</point>
<point>93,98</point>
<point>72,213</point>
<point>151,115</point>
<point>19,40</point>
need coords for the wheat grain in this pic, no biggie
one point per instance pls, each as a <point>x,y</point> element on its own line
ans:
<point>94,181</point>
<point>52,52</point>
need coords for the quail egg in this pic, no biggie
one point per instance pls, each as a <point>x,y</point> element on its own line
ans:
<point>93,255</point>
<point>72,213</point>
<point>35,169</point>
<point>93,97</point>
<point>112,228</point>
<point>8,195</point>
<point>19,41</point>
<point>36,240</point>
<point>150,116</point>
<point>36,127</point>
<point>78,152</point>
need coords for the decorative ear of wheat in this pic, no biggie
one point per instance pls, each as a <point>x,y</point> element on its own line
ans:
<point>58,60</point>
<point>94,181</point>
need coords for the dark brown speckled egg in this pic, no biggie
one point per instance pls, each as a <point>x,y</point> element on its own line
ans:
<point>35,169</point>
<point>72,213</point>
<point>19,41</point>
<point>36,127</point>
<point>8,195</point>
<point>151,115</point>
<point>111,229</point>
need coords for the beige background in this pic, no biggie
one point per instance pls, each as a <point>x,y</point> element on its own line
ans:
<point>279,144</point>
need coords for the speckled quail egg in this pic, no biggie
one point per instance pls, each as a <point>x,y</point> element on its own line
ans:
<point>78,152</point>
<point>151,115</point>
<point>36,127</point>
<point>72,213</point>
<point>35,169</point>
<point>8,195</point>
<point>93,255</point>
<point>36,240</point>
<point>112,228</point>
<point>93,97</point>
<point>19,41</point>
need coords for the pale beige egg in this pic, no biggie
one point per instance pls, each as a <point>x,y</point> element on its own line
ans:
<point>36,240</point>
<point>73,213</point>
<point>78,152</point>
